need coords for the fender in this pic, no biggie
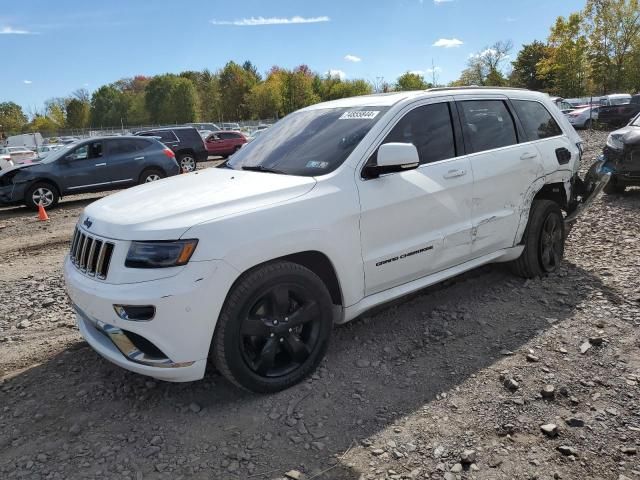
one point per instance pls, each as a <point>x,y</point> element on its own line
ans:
<point>525,207</point>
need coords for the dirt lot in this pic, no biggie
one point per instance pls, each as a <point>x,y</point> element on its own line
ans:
<point>453,383</point>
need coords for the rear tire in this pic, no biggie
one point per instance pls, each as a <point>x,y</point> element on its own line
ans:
<point>41,192</point>
<point>187,162</point>
<point>274,328</point>
<point>543,241</point>
<point>151,175</point>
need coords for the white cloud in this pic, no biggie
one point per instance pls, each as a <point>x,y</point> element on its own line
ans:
<point>7,30</point>
<point>434,70</point>
<point>334,73</point>
<point>352,58</point>
<point>510,20</point>
<point>448,42</point>
<point>440,2</point>
<point>257,21</point>
<point>27,82</point>
<point>417,72</point>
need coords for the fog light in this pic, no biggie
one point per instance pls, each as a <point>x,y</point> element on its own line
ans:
<point>141,313</point>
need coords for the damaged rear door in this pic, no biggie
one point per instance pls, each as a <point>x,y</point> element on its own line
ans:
<point>503,169</point>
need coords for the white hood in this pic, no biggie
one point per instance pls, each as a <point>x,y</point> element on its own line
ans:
<point>165,209</point>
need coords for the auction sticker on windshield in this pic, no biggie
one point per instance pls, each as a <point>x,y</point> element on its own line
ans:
<point>359,115</point>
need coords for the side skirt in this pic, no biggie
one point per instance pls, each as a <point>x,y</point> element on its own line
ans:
<point>385,296</point>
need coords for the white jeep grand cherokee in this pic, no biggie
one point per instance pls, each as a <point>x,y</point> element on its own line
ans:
<point>337,208</point>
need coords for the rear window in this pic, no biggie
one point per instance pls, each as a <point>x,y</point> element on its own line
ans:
<point>536,120</point>
<point>228,135</point>
<point>488,124</point>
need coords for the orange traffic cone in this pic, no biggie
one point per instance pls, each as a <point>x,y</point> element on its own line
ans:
<point>42,213</point>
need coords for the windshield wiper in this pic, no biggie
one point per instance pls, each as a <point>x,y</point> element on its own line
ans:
<point>262,168</point>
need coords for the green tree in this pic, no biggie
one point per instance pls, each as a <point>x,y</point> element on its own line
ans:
<point>613,30</point>
<point>525,71</point>
<point>78,113</point>
<point>184,101</point>
<point>265,99</point>
<point>298,89</point>
<point>108,107</point>
<point>235,84</point>
<point>566,67</point>
<point>12,118</point>
<point>411,81</point>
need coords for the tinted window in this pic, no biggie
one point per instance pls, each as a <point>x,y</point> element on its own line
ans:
<point>88,150</point>
<point>190,135</point>
<point>487,124</point>
<point>536,120</point>
<point>309,142</point>
<point>229,136</point>
<point>118,147</point>
<point>430,129</point>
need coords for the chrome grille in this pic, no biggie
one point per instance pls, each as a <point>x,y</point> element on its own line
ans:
<point>91,255</point>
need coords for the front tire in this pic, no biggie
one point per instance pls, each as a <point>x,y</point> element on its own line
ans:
<point>41,192</point>
<point>543,241</point>
<point>274,328</point>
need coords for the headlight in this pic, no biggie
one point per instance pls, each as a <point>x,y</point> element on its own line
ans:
<point>160,254</point>
<point>614,142</point>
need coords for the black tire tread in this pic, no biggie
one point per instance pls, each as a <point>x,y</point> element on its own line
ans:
<point>527,264</point>
<point>150,170</point>
<point>239,289</point>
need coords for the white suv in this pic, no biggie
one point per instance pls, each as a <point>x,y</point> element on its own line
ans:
<point>337,208</point>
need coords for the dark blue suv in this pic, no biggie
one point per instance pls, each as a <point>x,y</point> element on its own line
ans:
<point>94,165</point>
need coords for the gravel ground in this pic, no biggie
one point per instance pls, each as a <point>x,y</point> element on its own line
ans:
<point>485,376</point>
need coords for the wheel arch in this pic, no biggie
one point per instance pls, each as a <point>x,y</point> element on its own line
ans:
<point>314,260</point>
<point>48,180</point>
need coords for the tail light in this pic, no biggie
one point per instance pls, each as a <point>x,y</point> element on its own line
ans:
<point>168,152</point>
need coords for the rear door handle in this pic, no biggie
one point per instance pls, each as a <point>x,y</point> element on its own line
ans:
<point>528,156</point>
<point>139,158</point>
<point>455,173</point>
<point>101,164</point>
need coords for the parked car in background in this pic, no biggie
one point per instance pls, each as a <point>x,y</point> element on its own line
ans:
<point>341,207</point>
<point>255,134</point>
<point>618,114</point>
<point>68,140</point>
<point>583,116</point>
<point>5,162</point>
<point>231,126</point>
<point>205,126</point>
<point>19,155</point>
<point>562,104</point>
<point>615,99</point>
<point>94,165</point>
<point>30,141</point>
<point>621,158</point>
<point>185,142</point>
<point>45,150</point>
<point>225,143</point>
<point>205,133</point>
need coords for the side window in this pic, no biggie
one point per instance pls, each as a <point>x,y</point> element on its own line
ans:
<point>119,147</point>
<point>95,150</point>
<point>487,124</point>
<point>166,136</point>
<point>226,136</point>
<point>430,129</point>
<point>536,120</point>
<point>80,153</point>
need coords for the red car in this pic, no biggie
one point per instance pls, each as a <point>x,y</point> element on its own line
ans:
<point>224,143</point>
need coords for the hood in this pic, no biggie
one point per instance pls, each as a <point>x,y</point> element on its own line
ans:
<point>20,166</point>
<point>165,209</point>
<point>628,135</point>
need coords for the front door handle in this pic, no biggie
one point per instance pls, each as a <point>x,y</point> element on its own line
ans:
<point>455,173</point>
<point>528,156</point>
<point>101,164</point>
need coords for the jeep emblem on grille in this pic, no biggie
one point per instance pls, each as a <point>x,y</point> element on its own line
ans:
<point>87,222</point>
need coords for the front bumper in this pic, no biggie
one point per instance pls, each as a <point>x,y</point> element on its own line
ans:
<point>179,335</point>
<point>8,195</point>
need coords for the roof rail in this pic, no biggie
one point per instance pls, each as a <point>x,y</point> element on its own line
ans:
<point>473,87</point>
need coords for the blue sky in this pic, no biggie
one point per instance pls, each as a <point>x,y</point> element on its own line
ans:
<point>50,48</point>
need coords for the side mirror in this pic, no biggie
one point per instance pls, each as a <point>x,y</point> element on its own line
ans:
<point>393,157</point>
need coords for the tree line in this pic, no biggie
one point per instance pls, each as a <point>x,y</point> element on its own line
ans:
<point>592,52</point>
<point>235,92</point>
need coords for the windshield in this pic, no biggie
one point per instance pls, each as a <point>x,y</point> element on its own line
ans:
<point>309,143</point>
